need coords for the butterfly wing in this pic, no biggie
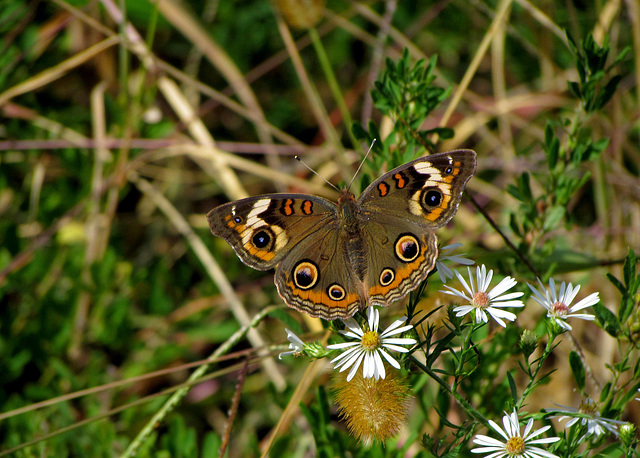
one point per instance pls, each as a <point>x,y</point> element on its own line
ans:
<point>401,210</point>
<point>300,236</point>
<point>426,190</point>
<point>263,229</point>
<point>316,276</point>
<point>405,253</point>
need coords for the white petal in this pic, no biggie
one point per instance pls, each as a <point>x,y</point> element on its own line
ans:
<point>486,440</point>
<point>571,294</point>
<point>451,247</point>
<point>542,453</point>
<point>294,339</point>
<point>354,369</point>
<point>455,292</point>
<point>353,357</point>
<point>351,335</point>
<point>507,297</point>
<point>498,429</point>
<point>464,283</point>
<point>464,309</point>
<point>396,348</point>
<point>399,341</point>
<point>535,292</point>
<point>443,272</point>
<point>588,301</point>
<point>505,284</point>
<point>500,454</point>
<point>394,329</point>
<point>582,316</point>
<point>508,304</point>
<point>563,324</point>
<point>368,365</point>
<point>481,316</point>
<point>495,312</point>
<point>345,355</point>
<point>552,290</point>
<point>389,358</point>
<point>342,345</point>
<point>353,327</point>
<point>487,279</point>
<point>379,366</point>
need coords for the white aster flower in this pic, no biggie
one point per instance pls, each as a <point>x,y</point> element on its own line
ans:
<point>484,302</point>
<point>516,445</point>
<point>295,347</point>
<point>370,345</point>
<point>557,305</point>
<point>444,271</point>
<point>596,425</point>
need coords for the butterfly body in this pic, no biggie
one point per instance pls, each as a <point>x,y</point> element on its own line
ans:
<point>332,259</point>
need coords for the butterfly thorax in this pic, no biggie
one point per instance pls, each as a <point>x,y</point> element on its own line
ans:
<point>350,219</point>
<point>349,213</point>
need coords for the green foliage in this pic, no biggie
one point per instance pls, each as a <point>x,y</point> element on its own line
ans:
<point>405,92</point>
<point>591,63</point>
<point>569,147</point>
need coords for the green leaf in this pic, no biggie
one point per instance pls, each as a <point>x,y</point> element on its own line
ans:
<point>607,92</point>
<point>629,269</point>
<point>525,186</point>
<point>574,88</point>
<point>515,192</point>
<point>513,224</point>
<point>553,217</point>
<point>607,320</point>
<point>513,388</point>
<point>578,369</point>
<point>617,283</point>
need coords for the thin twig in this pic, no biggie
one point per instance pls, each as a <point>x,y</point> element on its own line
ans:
<point>234,407</point>
<point>502,234</point>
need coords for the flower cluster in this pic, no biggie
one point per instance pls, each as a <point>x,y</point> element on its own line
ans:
<point>484,302</point>
<point>366,346</point>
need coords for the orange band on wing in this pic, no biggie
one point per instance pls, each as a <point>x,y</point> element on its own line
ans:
<point>260,254</point>
<point>321,299</point>
<point>436,212</point>
<point>401,275</point>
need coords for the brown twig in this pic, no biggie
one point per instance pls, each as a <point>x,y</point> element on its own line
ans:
<point>502,234</point>
<point>234,408</point>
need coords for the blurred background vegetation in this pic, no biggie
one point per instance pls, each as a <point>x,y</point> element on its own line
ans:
<point>124,122</point>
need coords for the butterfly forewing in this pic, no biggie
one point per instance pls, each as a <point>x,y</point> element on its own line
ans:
<point>426,190</point>
<point>263,229</point>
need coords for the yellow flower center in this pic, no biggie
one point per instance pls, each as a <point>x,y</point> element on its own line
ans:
<point>370,341</point>
<point>481,299</point>
<point>559,308</point>
<point>514,446</point>
<point>588,407</point>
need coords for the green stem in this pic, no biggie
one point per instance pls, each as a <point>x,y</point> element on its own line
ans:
<point>540,362</point>
<point>459,399</point>
<point>462,358</point>
<point>333,84</point>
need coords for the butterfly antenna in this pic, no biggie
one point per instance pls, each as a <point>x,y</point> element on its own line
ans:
<point>316,173</point>
<point>361,164</point>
